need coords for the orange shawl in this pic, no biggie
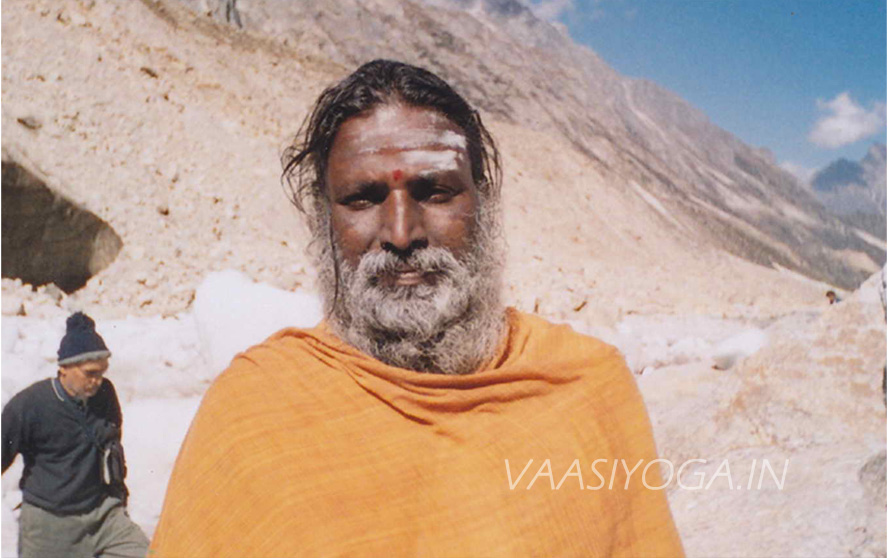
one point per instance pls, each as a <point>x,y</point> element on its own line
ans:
<point>307,447</point>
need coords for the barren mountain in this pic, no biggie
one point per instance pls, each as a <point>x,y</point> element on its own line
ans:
<point>855,192</point>
<point>714,188</point>
<point>167,126</point>
<point>850,187</point>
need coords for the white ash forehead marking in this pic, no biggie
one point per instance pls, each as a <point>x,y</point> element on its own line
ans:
<point>440,160</point>
<point>452,139</point>
<point>395,139</point>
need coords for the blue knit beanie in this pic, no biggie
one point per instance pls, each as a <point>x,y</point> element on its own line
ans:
<point>81,342</point>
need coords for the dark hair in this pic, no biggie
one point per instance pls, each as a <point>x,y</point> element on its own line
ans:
<point>373,84</point>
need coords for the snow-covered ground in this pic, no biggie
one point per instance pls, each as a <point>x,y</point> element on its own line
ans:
<point>161,367</point>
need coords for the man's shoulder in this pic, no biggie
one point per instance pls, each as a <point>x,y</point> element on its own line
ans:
<point>286,357</point>
<point>107,389</point>
<point>106,401</point>
<point>32,396</point>
<point>561,337</point>
<point>291,369</point>
<point>561,350</point>
<point>289,344</point>
<point>39,389</point>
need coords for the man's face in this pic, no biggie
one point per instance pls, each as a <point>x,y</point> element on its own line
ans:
<point>399,179</point>
<point>412,272</point>
<point>84,379</point>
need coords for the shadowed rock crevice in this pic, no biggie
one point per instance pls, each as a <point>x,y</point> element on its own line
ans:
<point>47,238</point>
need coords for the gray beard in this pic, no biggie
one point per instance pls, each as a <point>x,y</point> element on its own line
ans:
<point>451,326</point>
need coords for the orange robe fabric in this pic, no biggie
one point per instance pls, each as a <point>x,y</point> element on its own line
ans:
<point>305,446</point>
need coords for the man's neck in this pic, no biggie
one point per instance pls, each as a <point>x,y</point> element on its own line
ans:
<point>71,393</point>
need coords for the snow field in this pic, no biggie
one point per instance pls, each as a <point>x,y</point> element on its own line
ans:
<point>161,366</point>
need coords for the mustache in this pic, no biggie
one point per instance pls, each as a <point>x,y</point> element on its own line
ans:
<point>375,266</point>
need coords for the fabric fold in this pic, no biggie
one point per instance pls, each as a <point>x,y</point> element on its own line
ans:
<point>334,453</point>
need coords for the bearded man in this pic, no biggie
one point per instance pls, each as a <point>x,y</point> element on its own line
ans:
<point>422,417</point>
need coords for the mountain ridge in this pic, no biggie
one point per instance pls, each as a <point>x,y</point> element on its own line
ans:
<point>168,126</point>
<point>534,75</point>
<point>855,192</point>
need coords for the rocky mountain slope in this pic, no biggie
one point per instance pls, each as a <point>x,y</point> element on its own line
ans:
<point>168,127</point>
<point>856,191</point>
<point>713,187</point>
<point>811,404</point>
<point>850,187</point>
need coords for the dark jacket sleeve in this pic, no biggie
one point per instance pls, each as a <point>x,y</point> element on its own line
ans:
<point>117,458</point>
<point>114,414</point>
<point>12,431</point>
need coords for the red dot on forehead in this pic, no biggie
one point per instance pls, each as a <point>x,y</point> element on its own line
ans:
<point>397,174</point>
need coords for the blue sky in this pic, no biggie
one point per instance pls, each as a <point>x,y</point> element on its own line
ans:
<point>804,78</point>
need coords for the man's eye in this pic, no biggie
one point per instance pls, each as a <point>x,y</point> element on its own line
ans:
<point>440,195</point>
<point>360,203</point>
<point>365,197</point>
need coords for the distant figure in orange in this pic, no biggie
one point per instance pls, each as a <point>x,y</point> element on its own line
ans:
<point>422,417</point>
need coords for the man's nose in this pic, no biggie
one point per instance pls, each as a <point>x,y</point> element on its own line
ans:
<point>403,229</point>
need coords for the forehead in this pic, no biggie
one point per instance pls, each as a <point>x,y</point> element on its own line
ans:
<point>94,365</point>
<point>392,128</point>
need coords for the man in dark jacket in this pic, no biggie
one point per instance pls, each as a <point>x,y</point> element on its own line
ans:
<point>68,430</point>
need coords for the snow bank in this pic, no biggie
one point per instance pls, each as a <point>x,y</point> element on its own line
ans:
<point>233,313</point>
<point>657,341</point>
<point>155,357</point>
<point>161,366</point>
<point>153,432</point>
<point>738,347</point>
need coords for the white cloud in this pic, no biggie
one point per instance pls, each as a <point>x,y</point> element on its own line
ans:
<point>845,122</point>
<point>801,172</point>
<point>551,10</point>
